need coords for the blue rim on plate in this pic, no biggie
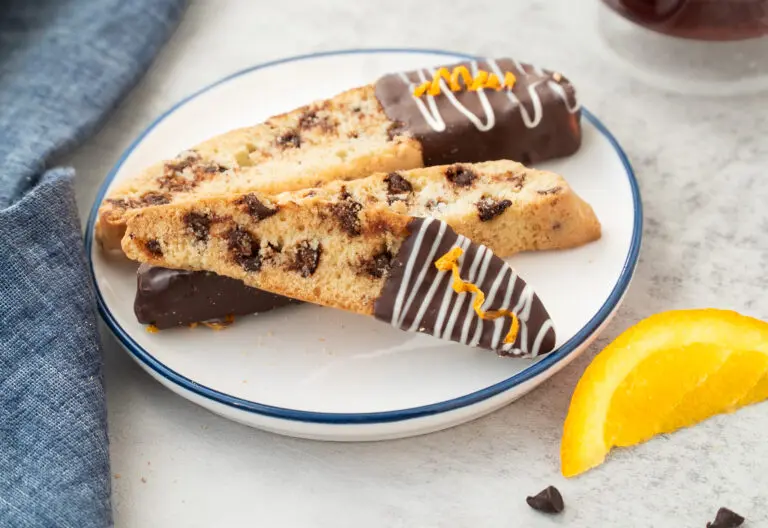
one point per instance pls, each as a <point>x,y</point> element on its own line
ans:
<point>383,416</point>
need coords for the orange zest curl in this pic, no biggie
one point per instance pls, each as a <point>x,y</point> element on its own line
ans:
<point>449,262</point>
<point>460,73</point>
<point>509,80</point>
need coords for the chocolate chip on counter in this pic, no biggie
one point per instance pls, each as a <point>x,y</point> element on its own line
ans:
<point>378,265</point>
<point>488,208</point>
<point>460,176</point>
<point>244,249</point>
<point>396,184</point>
<point>199,224</point>
<point>307,258</point>
<point>547,500</point>
<point>255,207</point>
<point>155,198</point>
<point>553,190</point>
<point>725,518</point>
<point>290,139</point>
<point>153,248</point>
<point>346,212</point>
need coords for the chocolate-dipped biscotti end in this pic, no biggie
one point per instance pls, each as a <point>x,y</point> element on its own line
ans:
<point>167,298</point>
<point>500,204</point>
<point>418,296</point>
<point>493,109</point>
<point>341,253</point>
<point>524,113</point>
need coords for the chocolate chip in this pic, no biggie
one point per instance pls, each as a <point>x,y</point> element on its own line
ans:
<point>251,264</point>
<point>346,212</point>
<point>725,518</point>
<point>395,129</point>
<point>277,248</point>
<point>310,119</point>
<point>356,109</point>
<point>460,176</point>
<point>155,198</point>
<point>517,181</point>
<point>256,207</point>
<point>211,169</point>
<point>548,500</point>
<point>119,203</point>
<point>182,161</point>
<point>378,265</point>
<point>396,184</point>
<point>153,248</point>
<point>553,190</point>
<point>240,241</point>
<point>307,258</point>
<point>488,208</point>
<point>244,249</point>
<point>199,224</point>
<point>556,226</point>
<point>290,139</point>
<point>175,182</point>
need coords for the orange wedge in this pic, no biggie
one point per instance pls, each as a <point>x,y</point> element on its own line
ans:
<point>671,370</point>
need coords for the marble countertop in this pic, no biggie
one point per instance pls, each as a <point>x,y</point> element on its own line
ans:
<point>701,165</point>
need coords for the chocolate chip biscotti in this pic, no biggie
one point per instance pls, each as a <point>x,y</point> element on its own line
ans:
<point>467,112</point>
<point>501,204</point>
<point>417,274</point>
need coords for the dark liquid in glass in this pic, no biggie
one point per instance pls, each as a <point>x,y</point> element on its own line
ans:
<point>698,19</point>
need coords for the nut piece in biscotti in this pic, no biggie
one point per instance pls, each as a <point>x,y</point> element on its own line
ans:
<point>366,259</point>
<point>381,127</point>
<point>502,204</point>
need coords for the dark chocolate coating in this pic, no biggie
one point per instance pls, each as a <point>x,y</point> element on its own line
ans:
<point>168,298</point>
<point>557,133</point>
<point>437,310</point>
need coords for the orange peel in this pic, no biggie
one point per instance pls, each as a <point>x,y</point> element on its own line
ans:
<point>460,73</point>
<point>449,262</point>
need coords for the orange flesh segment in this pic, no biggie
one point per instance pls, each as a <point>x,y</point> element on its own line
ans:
<point>671,370</point>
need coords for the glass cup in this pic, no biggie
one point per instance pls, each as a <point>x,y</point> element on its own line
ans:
<point>707,47</point>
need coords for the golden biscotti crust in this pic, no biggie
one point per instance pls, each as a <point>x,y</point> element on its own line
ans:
<point>329,252</point>
<point>501,204</point>
<point>342,138</point>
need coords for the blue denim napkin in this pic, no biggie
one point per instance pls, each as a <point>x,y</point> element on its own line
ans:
<point>64,64</point>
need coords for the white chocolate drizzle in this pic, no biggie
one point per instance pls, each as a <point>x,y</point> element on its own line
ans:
<point>431,113</point>
<point>440,311</point>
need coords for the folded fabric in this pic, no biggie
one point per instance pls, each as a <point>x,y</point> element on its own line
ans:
<point>64,64</point>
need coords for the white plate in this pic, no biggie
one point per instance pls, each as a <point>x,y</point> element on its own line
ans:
<point>321,373</point>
